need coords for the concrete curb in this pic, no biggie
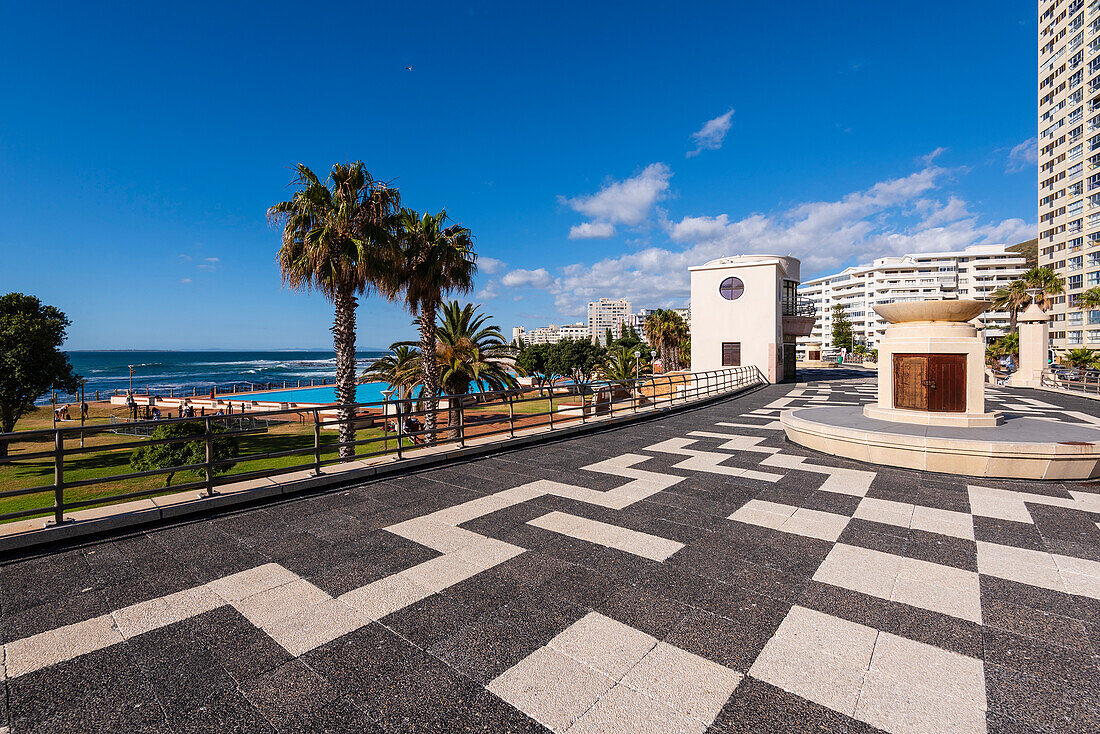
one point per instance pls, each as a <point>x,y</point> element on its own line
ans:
<point>170,507</point>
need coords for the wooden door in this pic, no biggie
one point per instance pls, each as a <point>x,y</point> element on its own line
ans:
<point>933,382</point>
<point>946,380</point>
<point>909,389</point>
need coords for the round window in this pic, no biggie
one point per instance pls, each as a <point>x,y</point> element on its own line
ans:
<point>731,288</point>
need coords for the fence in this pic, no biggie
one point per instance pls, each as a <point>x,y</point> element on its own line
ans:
<point>1086,382</point>
<point>84,461</point>
<point>228,388</point>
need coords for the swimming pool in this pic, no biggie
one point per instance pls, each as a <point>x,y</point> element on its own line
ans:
<point>370,392</point>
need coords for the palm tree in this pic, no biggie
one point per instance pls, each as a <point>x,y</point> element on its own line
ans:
<point>400,369</point>
<point>1012,298</point>
<point>666,330</point>
<point>1047,281</point>
<point>1080,358</point>
<point>434,260</point>
<point>470,352</point>
<point>1089,299</point>
<point>620,365</point>
<point>338,241</point>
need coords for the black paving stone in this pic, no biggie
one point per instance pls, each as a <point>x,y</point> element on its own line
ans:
<point>756,706</point>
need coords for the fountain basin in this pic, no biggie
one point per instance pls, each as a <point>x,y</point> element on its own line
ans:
<point>957,311</point>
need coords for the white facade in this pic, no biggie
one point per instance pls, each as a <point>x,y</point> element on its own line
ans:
<point>975,272</point>
<point>574,332</point>
<point>737,307</point>
<point>1069,153</point>
<point>607,314</point>
<point>550,334</point>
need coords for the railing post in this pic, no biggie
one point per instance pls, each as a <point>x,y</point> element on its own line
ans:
<point>209,458</point>
<point>316,442</point>
<point>58,477</point>
<point>400,434</point>
<point>461,426</point>
<point>511,417</point>
<point>610,400</point>
<point>551,407</point>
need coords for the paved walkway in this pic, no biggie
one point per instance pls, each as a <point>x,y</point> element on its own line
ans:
<point>693,573</point>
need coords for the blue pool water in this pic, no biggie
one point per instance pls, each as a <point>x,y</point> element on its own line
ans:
<point>370,392</point>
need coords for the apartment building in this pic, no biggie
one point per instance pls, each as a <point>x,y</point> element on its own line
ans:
<point>550,334</point>
<point>607,314</point>
<point>975,272</point>
<point>1069,162</point>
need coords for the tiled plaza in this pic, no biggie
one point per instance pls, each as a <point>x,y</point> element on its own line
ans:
<point>691,573</point>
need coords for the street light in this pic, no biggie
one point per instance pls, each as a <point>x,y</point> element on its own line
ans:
<point>386,395</point>
<point>131,379</point>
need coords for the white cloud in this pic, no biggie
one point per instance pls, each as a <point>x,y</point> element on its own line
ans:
<point>490,291</point>
<point>592,231</point>
<point>490,265</point>
<point>185,280</point>
<point>711,134</point>
<point>626,202</point>
<point>1024,156</point>
<point>891,217</point>
<point>954,210</point>
<point>540,278</point>
<point>927,158</point>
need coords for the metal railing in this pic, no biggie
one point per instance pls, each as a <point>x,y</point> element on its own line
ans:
<point>83,466</point>
<point>799,307</point>
<point>194,391</point>
<point>1069,379</point>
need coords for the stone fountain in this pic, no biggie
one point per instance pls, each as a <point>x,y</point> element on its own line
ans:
<point>930,414</point>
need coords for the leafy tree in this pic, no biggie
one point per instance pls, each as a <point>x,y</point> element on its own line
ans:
<point>1012,298</point>
<point>400,369</point>
<point>578,360</point>
<point>470,352</point>
<point>1080,358</point>
<point>842,328</point>
<point>184,453</point>
<point>608,338</point>
<point>435,259</point>
<point>534,360</point>
<point>31,360</point>
<point>339,241</point>
<point>685,351</point>
<point>1005,346</point>
<point>1047,282</point>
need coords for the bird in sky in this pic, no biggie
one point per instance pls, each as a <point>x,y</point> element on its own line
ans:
<point>409,68</point>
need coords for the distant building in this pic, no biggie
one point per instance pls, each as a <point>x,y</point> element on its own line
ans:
<point>544,335</point>
<point>575,332</point>
<point>975,272</point>
<point>519,335</point>
<point>607,314</point>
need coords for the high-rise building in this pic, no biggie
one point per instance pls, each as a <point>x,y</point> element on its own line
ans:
<point>607,314</point>
<point>974,272</point>
<point>519,335</point>
<point>1069,152</point>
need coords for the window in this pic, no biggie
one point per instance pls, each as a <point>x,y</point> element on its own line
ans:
<point>1075,281</point>
<point>1073,337</point>
<point>1093,278</point>
<point>731,289</point>
<point>731,353</point>
<point>1076,318</point>
<point>1094,318</point>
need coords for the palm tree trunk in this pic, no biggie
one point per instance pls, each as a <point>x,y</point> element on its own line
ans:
<point>454,415</point>
<point>429,365</point>
<point>343,339</point>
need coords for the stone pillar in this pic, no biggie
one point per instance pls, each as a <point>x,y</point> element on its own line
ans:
<point>1034,343</point>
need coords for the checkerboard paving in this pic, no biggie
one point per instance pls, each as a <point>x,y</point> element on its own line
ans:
<point>695,573</point>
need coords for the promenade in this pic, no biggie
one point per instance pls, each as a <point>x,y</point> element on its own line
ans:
<point>690,573</point>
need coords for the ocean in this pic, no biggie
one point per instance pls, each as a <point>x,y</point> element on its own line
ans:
<point>108,371</point>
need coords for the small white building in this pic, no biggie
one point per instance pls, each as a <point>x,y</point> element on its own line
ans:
<point>745,311</point>
<point>574,332</point>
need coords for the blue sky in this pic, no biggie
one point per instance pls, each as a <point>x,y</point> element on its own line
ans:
<point>595,149</point>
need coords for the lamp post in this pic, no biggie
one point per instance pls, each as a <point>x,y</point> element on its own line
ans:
<point>386,395</point>
<point>131,378</point>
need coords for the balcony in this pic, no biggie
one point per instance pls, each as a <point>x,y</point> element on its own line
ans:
<point>799,317</point>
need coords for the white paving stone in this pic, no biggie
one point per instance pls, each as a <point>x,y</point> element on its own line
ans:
<point>551,688</point>
<point>609,647</point>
